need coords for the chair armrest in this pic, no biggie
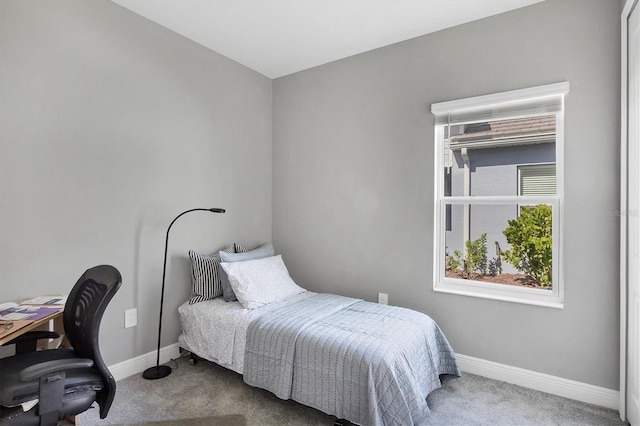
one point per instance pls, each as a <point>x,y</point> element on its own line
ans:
<point>33,335</point>
<point>38,370</point>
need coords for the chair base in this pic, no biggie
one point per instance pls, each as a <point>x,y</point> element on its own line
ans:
<point>157,372</point>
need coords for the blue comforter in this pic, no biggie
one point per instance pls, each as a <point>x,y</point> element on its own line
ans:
<point>368,363</point>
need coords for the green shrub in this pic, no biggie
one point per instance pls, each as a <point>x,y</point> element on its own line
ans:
<point>531,242</point>
<point>477,255</point>
<point>474,259</point>
<point>452,262</point>
<point>495,267</point>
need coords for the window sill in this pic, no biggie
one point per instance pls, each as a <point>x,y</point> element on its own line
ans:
<point>527,296</point>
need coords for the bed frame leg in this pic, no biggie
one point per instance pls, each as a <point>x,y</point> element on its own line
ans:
<point>193,359</point>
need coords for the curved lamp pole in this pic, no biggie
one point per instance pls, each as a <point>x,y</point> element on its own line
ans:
<point>160,371</point>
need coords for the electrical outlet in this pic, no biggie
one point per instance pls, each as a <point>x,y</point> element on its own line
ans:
<point>130,318</point>
<point>383,298</point>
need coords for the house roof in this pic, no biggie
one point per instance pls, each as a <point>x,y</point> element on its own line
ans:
<point>541,129</point>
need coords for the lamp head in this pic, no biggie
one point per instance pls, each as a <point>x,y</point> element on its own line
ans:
<point>216,210</point>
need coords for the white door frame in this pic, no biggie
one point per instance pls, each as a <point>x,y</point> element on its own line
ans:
<point>625,185</point>
<point>623,207</point>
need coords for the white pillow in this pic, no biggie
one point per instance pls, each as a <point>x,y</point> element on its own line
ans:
<point>261,281</point>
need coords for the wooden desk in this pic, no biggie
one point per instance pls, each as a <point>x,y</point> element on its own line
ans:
<point>58,327</point>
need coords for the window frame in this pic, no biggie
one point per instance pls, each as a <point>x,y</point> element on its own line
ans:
<point>553,298</point>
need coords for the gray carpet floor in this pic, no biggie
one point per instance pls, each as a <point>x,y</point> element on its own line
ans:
<point>207,394</point>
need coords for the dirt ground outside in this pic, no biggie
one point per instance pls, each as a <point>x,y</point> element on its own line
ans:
<point>521,280</point>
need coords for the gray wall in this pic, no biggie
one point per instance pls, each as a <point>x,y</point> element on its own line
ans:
<point>110,126</point>
<point>353,179</point>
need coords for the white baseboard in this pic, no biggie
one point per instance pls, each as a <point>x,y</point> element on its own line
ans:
<point>140,363</point>
<point>571,389</point>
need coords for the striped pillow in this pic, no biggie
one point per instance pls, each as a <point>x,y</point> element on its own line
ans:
<point>205,278</point>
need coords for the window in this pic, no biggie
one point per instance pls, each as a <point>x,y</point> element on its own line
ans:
<point>498,195</point>
<point>537,179</point>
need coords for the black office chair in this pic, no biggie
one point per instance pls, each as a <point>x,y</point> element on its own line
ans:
<point>28,341</point>
<point>66,381</point>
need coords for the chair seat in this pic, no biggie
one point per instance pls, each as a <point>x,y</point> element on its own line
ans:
<point>14,392</point>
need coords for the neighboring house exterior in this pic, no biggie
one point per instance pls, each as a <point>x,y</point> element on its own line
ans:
<point>508,157</point>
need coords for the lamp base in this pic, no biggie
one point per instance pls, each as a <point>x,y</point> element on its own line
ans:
<point>157,372</point>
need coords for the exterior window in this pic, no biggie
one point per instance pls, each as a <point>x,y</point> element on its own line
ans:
<point>498,196</point>
<point>537,180</point>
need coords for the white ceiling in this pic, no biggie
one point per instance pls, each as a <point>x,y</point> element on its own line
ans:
<point>280,37</point>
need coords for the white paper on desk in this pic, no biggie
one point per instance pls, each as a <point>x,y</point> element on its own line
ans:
<point>15,316</point>
<point>17,312</point>
<point>46,300</point>
<point>7,305</point>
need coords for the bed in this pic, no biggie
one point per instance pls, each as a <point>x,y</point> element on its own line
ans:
<point>364,362</point>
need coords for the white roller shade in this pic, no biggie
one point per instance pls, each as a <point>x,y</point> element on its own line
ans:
<point>513,104</point>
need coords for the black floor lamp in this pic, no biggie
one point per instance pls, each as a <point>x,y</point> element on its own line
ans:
<point>160,371</point>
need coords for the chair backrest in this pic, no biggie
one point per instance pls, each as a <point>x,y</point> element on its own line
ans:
<point>82,315</point>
